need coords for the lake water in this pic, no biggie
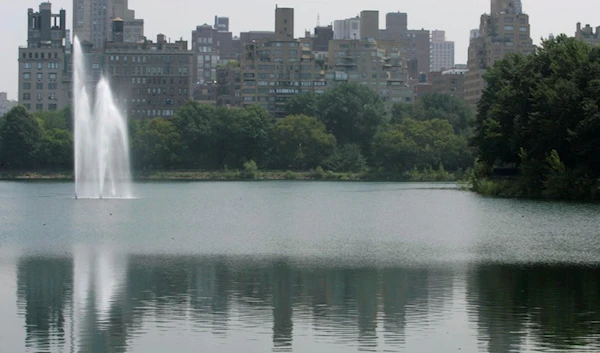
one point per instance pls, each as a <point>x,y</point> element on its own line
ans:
<point>296,267</point>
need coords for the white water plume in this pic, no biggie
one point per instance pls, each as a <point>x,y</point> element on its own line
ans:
<point>102,165</point>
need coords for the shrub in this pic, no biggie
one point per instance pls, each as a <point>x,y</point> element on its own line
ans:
<point>250,170</point>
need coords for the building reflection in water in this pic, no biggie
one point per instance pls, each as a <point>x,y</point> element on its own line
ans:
<point>100,301</point>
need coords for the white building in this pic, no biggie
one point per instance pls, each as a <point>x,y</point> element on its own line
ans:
<point>346,29</point>
<point>442,52</point>
<point>5,104</point>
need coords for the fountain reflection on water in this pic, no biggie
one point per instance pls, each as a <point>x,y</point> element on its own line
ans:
<point>102,165</point>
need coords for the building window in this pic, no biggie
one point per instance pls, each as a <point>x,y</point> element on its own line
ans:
<point>27,65</point>
<point>52,96</point>
<point>26,96</point>
<point>52,77</point>
<point>39,86</point>
<point>40,66</point>
<point>52,85</point>
<point>52,107</point>
<point>40,97</point>
<point>26,85</point>
<point>509,28</point>
<point>523,29</point>
<point>40,76</point>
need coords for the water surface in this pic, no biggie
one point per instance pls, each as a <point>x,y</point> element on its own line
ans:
<point>295,267</point>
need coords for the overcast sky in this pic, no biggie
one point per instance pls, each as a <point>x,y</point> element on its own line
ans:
<point>177,18</point>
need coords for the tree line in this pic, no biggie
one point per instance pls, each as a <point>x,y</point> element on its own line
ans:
<point>347,129</point>
<point>540,116</point>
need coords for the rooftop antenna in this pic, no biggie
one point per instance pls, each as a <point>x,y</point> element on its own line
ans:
<point>318,20</point>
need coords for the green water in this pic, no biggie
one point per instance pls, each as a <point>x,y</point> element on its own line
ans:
<point>296,267</point>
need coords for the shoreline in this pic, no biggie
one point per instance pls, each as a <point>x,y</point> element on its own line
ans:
<point>233,175</point>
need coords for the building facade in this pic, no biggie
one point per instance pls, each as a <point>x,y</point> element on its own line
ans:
<point>5,104</point>
<point>229,85</point>
<point>92,21</point>
<point>377,65</point>
<point>442,52</point>
<point>499,34</point>
<point>450,82</point>
<point>346,29</point>
<point>222,24</point>
<point>369,25</point>
<point>587,34</point>
<point>44,63</point>
<point>416,44</point>
<point>149,79</point>
<point>284,23</point>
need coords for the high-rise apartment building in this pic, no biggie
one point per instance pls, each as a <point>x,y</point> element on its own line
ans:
<point>416,44</point>
<point>378,65</point>
<point>43,63</point>
<point>284,23</point>
<point>500,33</point>
<point>506,6</point>
<point>222,24</point>
<point>442,52</point>
<point>149,79</point>
<point>346,29</point>
<point>277,68</point>
<point>369,25</point>
<point>92,21</point>
<point>322,37</point>
<point>587,34</point>
<point>5,104</point>
<point>450,82</point>
<point>396,22</point>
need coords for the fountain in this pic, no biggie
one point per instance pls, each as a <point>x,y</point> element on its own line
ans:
<point>102,167</point>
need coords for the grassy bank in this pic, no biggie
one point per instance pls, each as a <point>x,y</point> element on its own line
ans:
<point>426,175</point>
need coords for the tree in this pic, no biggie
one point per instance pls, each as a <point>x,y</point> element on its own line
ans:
<point>56,150</point>
<point>195,123</point>
<point>346,158</point>
<point>242,135</point>
<point>304,104</point>
<point>301,142</point>
<point>20,137</point>
<point>542,106</point>
<point>352,113</point>
<point>158,144</point>
<point>436,106</point>
<point>420,144</point>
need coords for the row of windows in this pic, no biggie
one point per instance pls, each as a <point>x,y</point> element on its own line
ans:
<point>39,96</point>
<point>512,28</point>
<point>40,55</point>
<point>180,91</point>
<point>150,59</point>
<point>152,112</point>
<point>157,81</point>
<point>143,70</point>
<point>40,66</point>
<point>39,76</point>
<point>40,106</point>
<point>39,86</point>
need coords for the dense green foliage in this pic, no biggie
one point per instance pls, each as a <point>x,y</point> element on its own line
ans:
<point>541,114</point>
<point>345,130</point>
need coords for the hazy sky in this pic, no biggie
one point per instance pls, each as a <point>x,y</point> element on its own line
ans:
<point>177,18</point>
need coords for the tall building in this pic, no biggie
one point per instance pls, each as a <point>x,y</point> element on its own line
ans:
<point>5,104</point>
<point>384,72</point>
<point>284,23</point>
<point>416,44</point>
<point>369,25</point>
<point>346,29</point>
<point>43,63</point>
<point>92,21</point>
<point>450,82</point>
<point>587,34</point>
<point>396,22</point>
<point>277,68</point>
<point>500,33</point>
<point>149,79</point>
<point>442,52</point>
<point>506,6</point>
<point>222,24</point>
<point>322,37</point>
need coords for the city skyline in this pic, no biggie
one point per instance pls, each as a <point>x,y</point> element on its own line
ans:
<point>544,20</point>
